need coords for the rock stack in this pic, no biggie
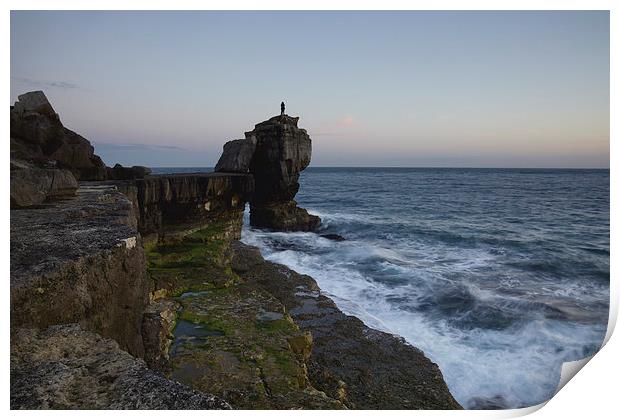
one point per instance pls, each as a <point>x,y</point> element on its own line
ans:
<point>275,153</point>
<point>48,159</point>
<point>38,137</point>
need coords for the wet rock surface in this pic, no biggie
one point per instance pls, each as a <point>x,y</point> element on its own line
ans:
<point>66,367</point>
<point>361,367</point>
<point>231,339</point>
<point>284,217</point>
<point>333,237</point>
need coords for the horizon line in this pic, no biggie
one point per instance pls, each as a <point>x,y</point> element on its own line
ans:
<point>421,167</point>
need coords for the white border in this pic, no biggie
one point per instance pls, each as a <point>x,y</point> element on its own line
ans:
<point>592,394</point>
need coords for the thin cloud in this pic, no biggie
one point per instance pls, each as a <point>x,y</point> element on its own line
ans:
<point>45,83</point>
<point>138,146</point>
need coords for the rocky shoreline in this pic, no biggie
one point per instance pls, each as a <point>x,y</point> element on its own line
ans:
<point>132,291</point>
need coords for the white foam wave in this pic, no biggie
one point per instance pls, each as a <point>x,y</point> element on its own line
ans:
<point>519,365</point>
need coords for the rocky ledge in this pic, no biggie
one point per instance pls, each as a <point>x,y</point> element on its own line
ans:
<point>165,203</point>
<point>65,367</point>
<point>80,260</point>
<point>359,366</point>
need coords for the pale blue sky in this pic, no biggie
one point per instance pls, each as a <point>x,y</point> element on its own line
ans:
<point>490,89</point>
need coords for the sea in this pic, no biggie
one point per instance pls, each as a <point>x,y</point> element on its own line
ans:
<point>498,275</point>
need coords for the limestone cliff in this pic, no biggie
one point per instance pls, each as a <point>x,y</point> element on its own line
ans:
<point>38,136</point>
<point>80,260</point>
<point>275,153</point>
<point>166,203</point>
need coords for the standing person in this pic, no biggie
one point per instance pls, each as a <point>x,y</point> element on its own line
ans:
<point>282,108</point>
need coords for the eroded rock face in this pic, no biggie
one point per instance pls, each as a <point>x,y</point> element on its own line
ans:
<point>282,151</point>
<point>80,260</point>
<point>237,156</point>
<point>275,153</point>
<point>284,216</point>
<point>66,367</point>
<point>164,203</point>
<point>38,136</point>
<point>33,186</point>
<point>157,325</point>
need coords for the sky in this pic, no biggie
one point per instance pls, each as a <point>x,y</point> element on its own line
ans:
<point>455,89</point>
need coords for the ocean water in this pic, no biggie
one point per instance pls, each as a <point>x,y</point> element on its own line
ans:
<point>498,275</point>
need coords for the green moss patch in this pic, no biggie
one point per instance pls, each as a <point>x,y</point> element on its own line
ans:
<point>234,340</point>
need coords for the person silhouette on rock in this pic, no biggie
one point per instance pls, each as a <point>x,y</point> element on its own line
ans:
<point>282,108</point>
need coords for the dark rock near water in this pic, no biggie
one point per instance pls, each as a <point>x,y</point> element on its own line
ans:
<point>284,216</point>
<point>66,367</point>
<point>38,135</point>
<point>357,365</point>
<point>237,156</point>
<point>282,151</point>
<point>275,153</point>
<point>119,172</point>
<point>333,237</point>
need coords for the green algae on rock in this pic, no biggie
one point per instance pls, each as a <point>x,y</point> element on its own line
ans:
<point>231,340</point>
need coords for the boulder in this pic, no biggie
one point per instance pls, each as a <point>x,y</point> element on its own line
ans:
<point>333,237</point>
<point>119,172</point>
<point>33,186</point>
<point>34,102</point>
<point>37,134</point>
<point>283,216</point>
<point>158,322</point>
<point>237,156</point>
